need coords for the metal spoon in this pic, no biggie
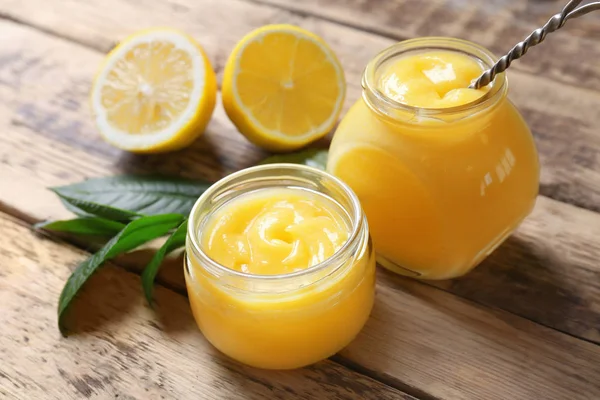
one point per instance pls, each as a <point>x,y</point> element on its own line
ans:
<point>556,22</point>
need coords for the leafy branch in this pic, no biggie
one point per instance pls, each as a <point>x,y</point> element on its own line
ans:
<point>131,211</point>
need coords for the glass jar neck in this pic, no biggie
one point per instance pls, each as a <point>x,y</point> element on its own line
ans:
<point>276,176</point>
<point>395,111</point>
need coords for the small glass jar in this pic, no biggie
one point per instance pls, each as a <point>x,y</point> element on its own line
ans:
<point>441,187</point>
<point>290,320</point>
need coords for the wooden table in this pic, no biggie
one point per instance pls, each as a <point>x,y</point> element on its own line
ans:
<point>524,325</point>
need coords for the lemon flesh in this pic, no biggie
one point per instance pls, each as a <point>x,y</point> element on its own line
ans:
<point>155,92</point>
<point>283,87</point>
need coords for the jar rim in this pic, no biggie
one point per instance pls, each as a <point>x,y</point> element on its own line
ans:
<point>373,94</point>
<point>357,220</point>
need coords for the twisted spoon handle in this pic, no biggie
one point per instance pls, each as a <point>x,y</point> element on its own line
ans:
<point>554,23</point>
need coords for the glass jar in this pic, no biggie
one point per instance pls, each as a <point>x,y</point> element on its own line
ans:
<point>441,188</point>
<point>289,320</point>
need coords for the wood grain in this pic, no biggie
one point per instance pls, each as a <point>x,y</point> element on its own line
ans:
<point>563,117</point>
<point>49,140</point>
<point>568,59</point>
<point>453,349</point>
<point>420,338</point>
<point>121,348</point>
<point>567,56</point>
<point>548,271</point>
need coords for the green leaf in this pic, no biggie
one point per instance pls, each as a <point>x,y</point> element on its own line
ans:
<point>83,226</point>
<point>125,197</point>
<point>175,241</point>
<point>133,235</point>
<point>90,208</point>
<point>316,158</point>
<point>77,211</point>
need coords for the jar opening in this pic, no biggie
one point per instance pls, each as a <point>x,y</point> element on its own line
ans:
<point>272,176</point>
<point>383,104</point>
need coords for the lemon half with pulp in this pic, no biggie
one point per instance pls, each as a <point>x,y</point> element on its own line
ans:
<point>283,87</point>
<point>155,92</point>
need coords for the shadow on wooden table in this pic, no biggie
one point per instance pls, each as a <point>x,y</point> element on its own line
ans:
<point>104,301</point>
<point>198,161</point>
<point>170,276</point>
<point>521,278</point>
<point>517,278</point>
<point>208,158</point>
<point>112,296</point>
<point>170,273</point>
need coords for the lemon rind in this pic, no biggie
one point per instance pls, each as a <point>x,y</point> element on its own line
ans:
<point>140,142</point>
<point>314,133</point>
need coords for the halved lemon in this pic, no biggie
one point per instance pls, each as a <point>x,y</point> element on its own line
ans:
<point>283,87</point>
<point>155,92</point>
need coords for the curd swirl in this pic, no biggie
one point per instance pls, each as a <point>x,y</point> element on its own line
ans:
<point>275,231</point>
<point>280,270</point>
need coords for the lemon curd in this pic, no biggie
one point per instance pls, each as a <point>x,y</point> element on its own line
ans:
<point>444,173</point>
<point>279,267</point>
<point>432,79</point>
<point>275,231</point>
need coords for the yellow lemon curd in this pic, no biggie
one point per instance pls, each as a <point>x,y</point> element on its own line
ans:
<point>435,79</point>
<point>280,300</point>
<point>275,231</point>
<point>444,173</point>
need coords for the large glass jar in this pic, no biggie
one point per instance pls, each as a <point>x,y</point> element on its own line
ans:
<point>441,188</point>
<point>289,320</point>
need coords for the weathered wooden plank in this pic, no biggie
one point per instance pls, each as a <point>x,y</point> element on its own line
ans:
<point>549,271</point>
<point>52,121</point>
<point>418,337</point>
<point>414,319</point>
<point>453,349</point>
<point>48,140</point>
<point>569,56</point>
<point>123,349</point>
<point>564,118</point>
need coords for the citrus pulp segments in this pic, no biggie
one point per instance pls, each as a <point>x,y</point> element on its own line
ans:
<point>186,126</point>
<point>276,50</point>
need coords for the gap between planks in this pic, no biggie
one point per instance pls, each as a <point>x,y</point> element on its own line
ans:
<point>309,13</point>
<point>87,46</point>
<point>68,38</point>
<point>387,380</point>
<point>18,213</point>
<point>558,189</point>
<point>23,219</point>
<point>394,383</point>
<point>382,30</point>
<point>123,347</point>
